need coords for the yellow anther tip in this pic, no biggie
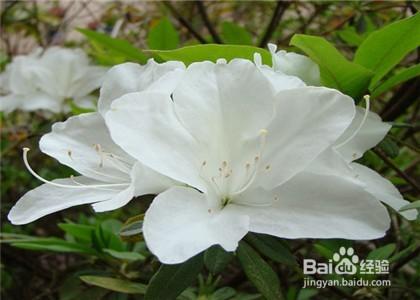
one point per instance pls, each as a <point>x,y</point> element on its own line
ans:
<point>25,149</point>
<point>263,131</point>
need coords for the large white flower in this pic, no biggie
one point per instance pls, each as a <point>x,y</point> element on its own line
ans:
<point>242,148</point>
<point>45,79</point>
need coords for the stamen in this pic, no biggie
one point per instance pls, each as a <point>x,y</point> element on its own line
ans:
<point>367,101</point>
<point>79,186</point>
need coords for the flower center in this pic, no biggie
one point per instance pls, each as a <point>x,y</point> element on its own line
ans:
<point>222,183</point>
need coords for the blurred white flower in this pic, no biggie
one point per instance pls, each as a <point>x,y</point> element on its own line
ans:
<point>241,148</point>
<point>294,64</point>
<point>46,79</point>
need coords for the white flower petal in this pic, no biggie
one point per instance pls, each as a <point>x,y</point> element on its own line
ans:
<point>294,64</point>
<point>315,206</point>
<point>178,225</point>
<point>308,120</point>
<point>152,134</point>
<point>129,77</point>
<point>30,102</point>
<point>224,95</point>
<point>371,133</point>
<point>47,199</point>
<point>83,143</point>
<point>382,189</point>
<point>143,181</point>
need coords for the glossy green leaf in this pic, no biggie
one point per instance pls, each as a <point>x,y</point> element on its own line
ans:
<point>259,272</point>
<point>386,47</point>
<point>171,280</point>
<point>382,252</point>
<point>216,259</point>
<point>336,71</point>
<point>236,35</point>
<point>400,77</point>
<point>211,52</point>
<point>115,284</point>
<point>163,36</point>
<point>120,46</point>
<point>272,248</point>
<point>403,253</point>
<point>413,205</point>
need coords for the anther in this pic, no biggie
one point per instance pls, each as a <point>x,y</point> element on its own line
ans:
<point>267,167</point>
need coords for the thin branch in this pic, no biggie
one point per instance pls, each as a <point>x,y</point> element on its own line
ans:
<point>275,19</point>
<point>206,20</point>
<point>393,166</point>
<point>184,22</point>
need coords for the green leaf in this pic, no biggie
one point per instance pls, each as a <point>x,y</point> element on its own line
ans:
<point>119,46</point>
<point>116,285</point>
<point>163,36</point>
<point>55,245</point>
<point>400,77</point>
<point>124,255</point>
<point>79,231</point>
<point>272,248</point>
<point>390,148</point>
<point>350,36</point>
<point>77,110</point>
<point>132,229</point>
<point>382,252</point>
<point>224,293</point>
<point>413,205</point>
<point>105,236</point>
<point>336,71</point>
<point>259,272</point>
<point>216,259</point>
<point>211,52</point>
<point>386,47</point>
<point>170,280</point>
<point>403,253</point>
<point>234,34</point>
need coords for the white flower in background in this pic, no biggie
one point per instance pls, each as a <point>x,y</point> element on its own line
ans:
<point>242,150</point>
<point>46,79</point>
<point>110,177</point>
<point>290,63</point>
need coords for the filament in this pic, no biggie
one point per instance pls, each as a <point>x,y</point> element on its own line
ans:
<point>78,186</point>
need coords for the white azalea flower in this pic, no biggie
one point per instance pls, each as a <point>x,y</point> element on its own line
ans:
<point>109,177</point>
<point>44,80</point>
<point>294,64</point>
<point>242,149</point>
<point>364,133</point>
